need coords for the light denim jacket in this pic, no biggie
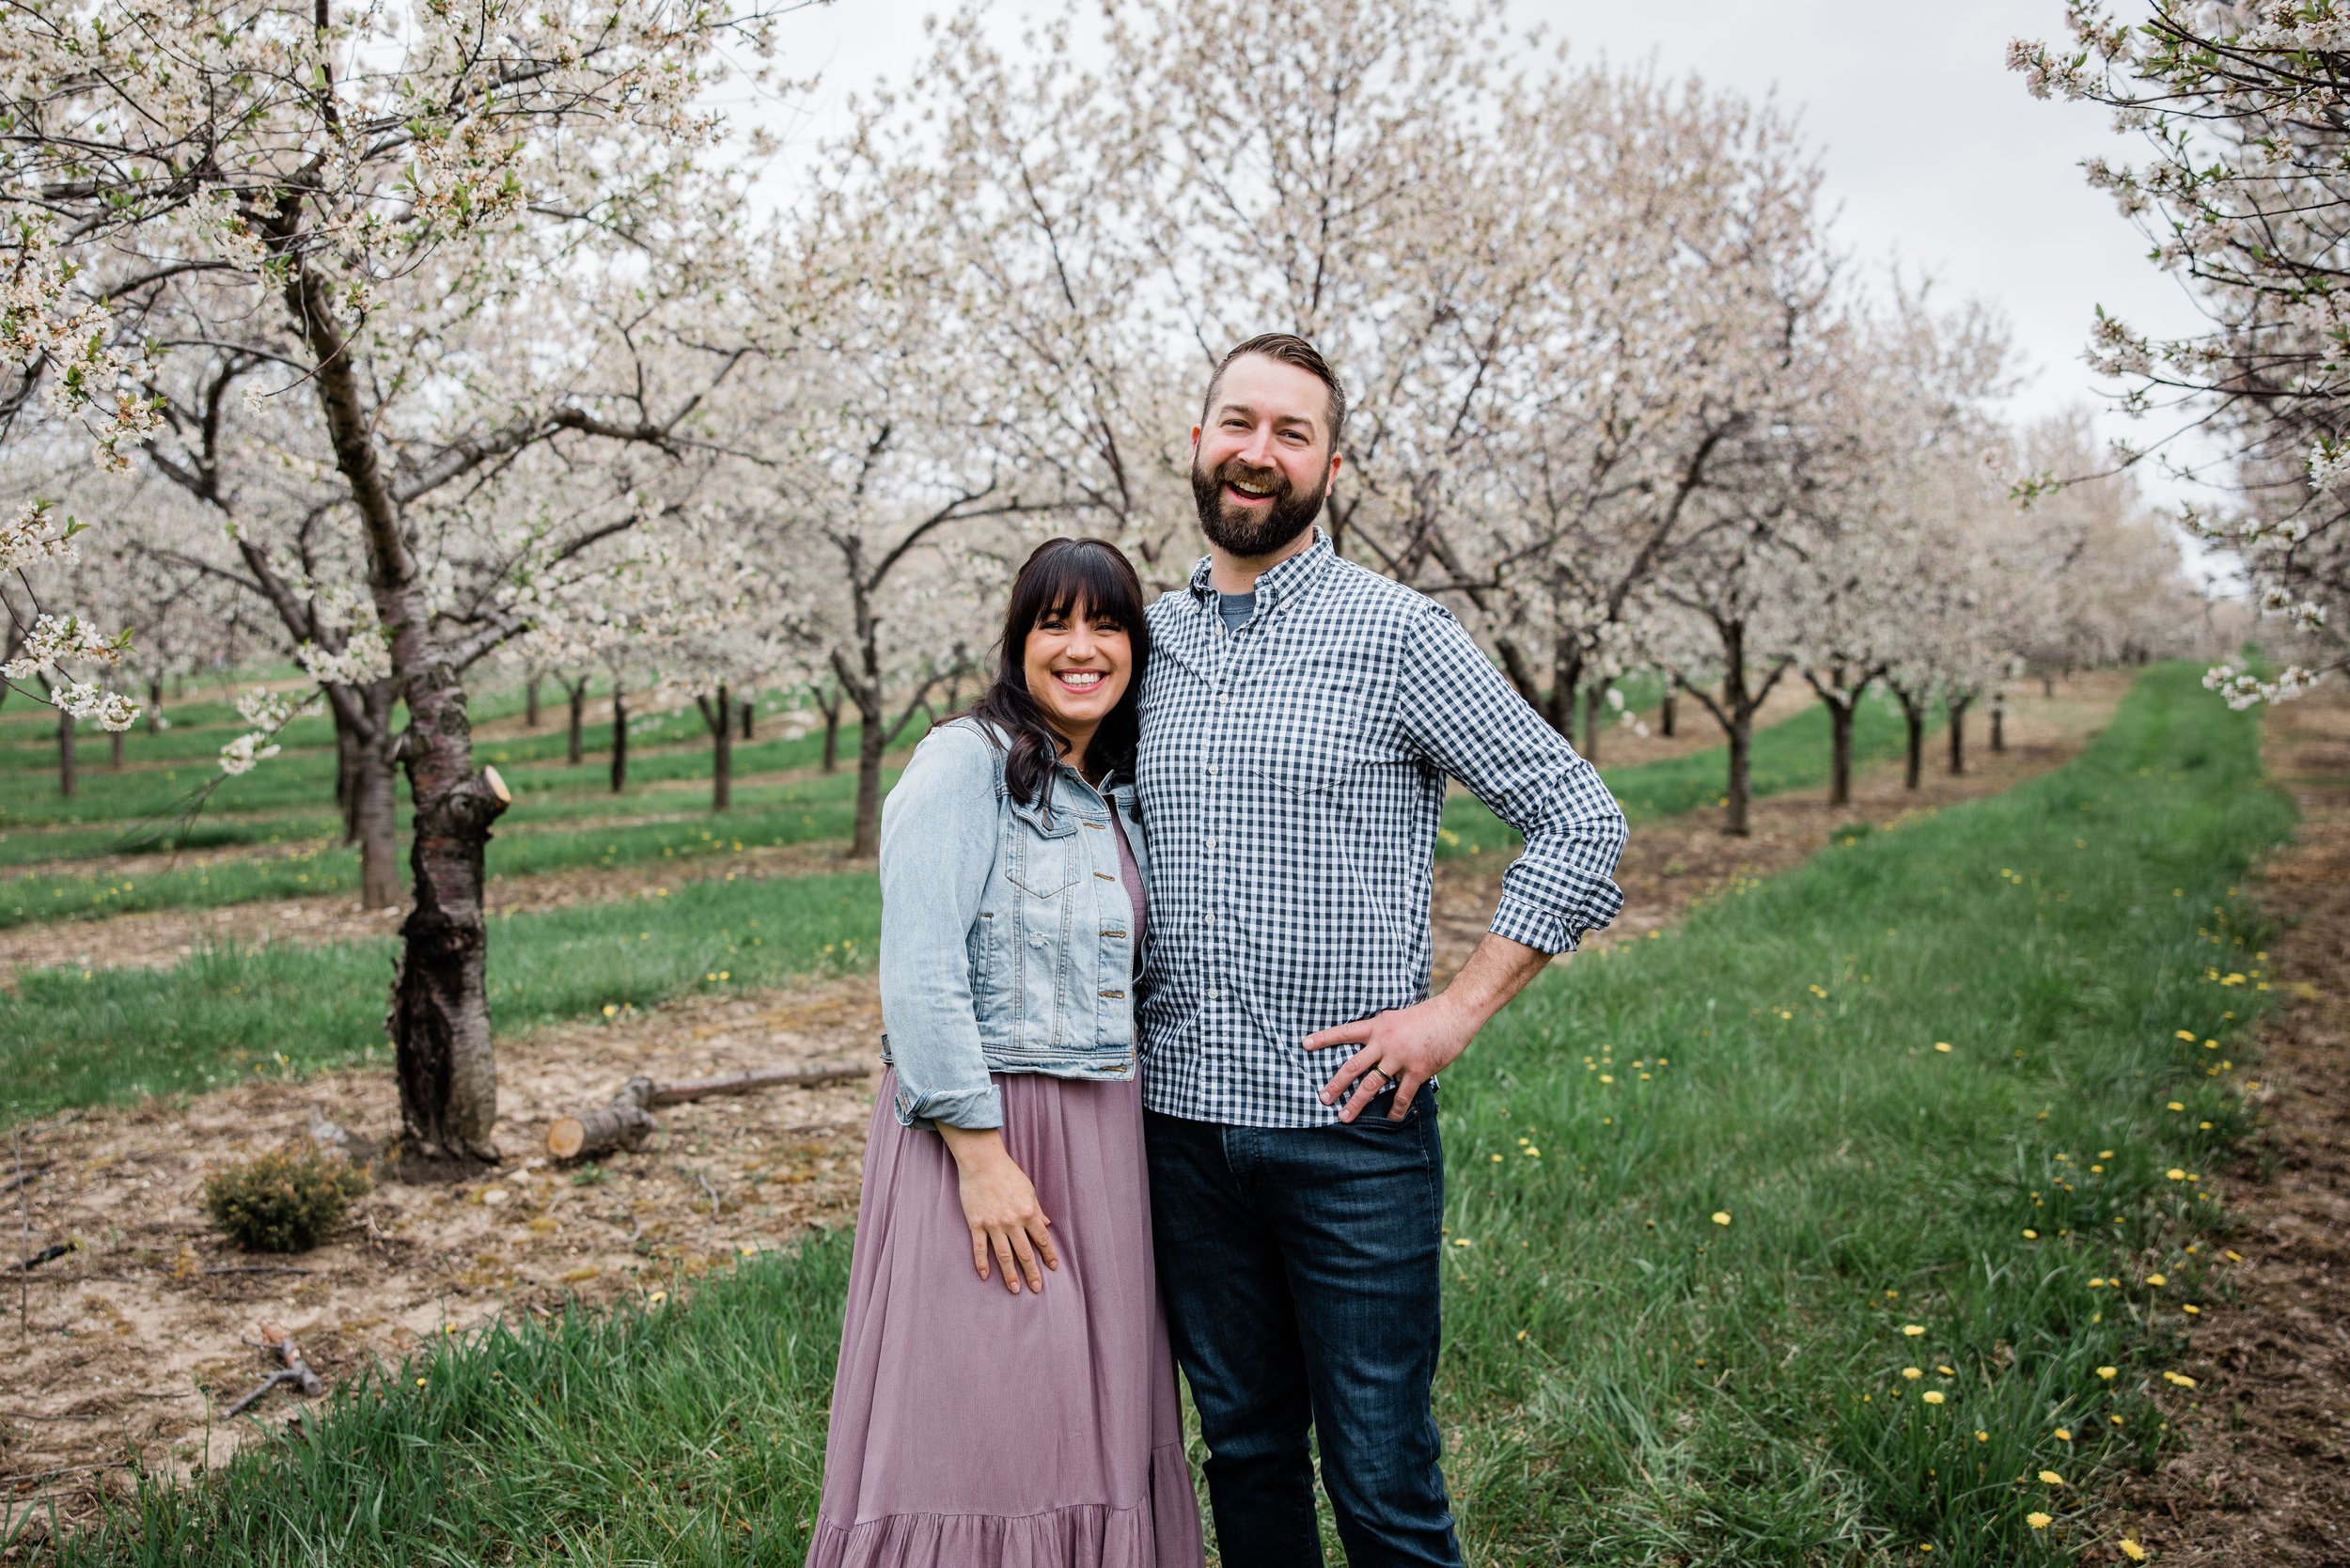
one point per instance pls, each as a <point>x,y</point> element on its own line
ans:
<point>1006,940</point>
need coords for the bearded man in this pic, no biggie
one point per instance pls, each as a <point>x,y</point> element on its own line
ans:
<point>1301,718</point>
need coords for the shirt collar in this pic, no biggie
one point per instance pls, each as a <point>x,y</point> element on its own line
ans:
<point>1284,580</point>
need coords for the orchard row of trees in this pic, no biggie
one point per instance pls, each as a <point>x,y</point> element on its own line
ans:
<point>430,338</point>
<point>2244,109</point>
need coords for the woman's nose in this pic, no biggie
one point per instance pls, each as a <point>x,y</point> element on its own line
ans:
<point>1080,643</point>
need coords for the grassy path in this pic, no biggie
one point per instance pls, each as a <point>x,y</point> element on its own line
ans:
<point>1746,1266</point>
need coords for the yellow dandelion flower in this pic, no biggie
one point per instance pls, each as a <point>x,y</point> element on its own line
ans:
<point>2039,1521</point>
<point>2157,1280</point>
<point>2031,1235</point>
<point>2176,1174</point>
<point>2132,1550</point>
<point>1912,1373</point>
<point>1982,1436</point>
<point>420,1382</point>
<point>1934,1396</point>
<point>1943,1046</point>
<point>2064,1434</point>
<point>2108,1374</point>
<point>2049,1478</point>
<point>1721,1217</point>
<point>1911,1330</point>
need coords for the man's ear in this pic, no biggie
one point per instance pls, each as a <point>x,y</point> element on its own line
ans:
<point>1335,458</point>
<point>1195,440</point>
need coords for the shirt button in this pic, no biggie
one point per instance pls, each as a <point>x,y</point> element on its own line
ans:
<point>1209,916</point>
<point>1225,697</point>
<point>1215,996</point>
<point>1211,770</point>
<point>1212,843</point>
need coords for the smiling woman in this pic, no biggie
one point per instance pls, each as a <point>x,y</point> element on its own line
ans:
<point>1011,927</point>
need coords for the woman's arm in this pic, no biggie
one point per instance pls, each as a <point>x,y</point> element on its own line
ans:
<point>938,845</point>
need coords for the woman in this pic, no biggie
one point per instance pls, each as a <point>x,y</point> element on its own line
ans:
<point>1005,1395</point>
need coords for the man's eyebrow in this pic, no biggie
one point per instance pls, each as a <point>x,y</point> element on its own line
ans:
<point>1305,421</point>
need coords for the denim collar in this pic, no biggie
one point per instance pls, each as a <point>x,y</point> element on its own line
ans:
<point>1285,581</point>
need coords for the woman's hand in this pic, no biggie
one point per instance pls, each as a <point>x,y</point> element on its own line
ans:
<point>999,1204</point>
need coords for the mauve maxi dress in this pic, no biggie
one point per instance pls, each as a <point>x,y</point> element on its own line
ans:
<point>973,1428</point>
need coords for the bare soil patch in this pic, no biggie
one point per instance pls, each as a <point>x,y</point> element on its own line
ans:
<point>126,1343</point>
<point>130,1343</point>
<point>2263,1475</point>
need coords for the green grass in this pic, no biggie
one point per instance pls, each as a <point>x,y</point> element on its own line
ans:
<point>70,1037</point>
<point>1625,1381</point>
<point>1792,754</point>
<point>526,842</point>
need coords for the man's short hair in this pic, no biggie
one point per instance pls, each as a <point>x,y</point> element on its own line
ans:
<point>1289,349</point>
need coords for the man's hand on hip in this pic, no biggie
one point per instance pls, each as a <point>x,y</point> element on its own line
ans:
<point>1407,1046</point>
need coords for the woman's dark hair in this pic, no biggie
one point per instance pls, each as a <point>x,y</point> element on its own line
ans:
<point>1064,576</point>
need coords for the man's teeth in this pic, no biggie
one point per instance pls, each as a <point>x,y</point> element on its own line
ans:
<point>1249,489</point>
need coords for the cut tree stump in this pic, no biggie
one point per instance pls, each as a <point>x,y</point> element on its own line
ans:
<point>624,1123</point>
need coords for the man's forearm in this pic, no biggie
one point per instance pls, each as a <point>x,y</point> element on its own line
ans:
<point>1496,972</point>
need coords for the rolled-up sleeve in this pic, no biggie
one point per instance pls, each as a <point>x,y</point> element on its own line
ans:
<point>1468,720</point>
<point>938,843</point>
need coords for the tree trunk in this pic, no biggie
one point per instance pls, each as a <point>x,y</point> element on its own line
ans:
<point>439,1018</point>
<point>1958,732</point>
<point>1738,824</point>
<point>1665,715</point>
<point>1594,703</point>
<point>1566,676</point>
<point>1839,720</point>
<point>873,735</point>
<point>577,693</point>
<point>156,706</point>
<point>832,737</point>
<point>349,760</point>
<point>2047,685</point>
<point>68,779</point>
<point>718,719</point>
<point>750,706</point>
<point>1914,717</point>
<point>1998,721</point>
<point>530,703</point>
<point>114,751</point>
<point>619,738</point>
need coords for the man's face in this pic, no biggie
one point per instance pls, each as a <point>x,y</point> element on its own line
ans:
<point>1261,465</point>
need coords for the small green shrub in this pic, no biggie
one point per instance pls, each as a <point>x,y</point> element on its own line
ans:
<point>283,1201</point>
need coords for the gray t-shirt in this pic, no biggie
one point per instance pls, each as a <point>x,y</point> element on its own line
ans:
<point>1236,608</point>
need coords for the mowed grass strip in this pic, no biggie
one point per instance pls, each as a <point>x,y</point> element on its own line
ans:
<point>1703,1221</point>
<point>1792,754</point>
<point>111,1036</point>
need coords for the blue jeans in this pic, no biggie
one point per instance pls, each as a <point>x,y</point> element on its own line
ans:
<point>1299,1269</point>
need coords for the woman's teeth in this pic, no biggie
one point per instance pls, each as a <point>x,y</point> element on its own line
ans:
<point>1080,680</point>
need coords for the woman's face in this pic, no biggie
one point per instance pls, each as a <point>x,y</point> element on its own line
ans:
<point>1078,663</point>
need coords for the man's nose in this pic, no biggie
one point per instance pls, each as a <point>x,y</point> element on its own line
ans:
<point>1257,451</point>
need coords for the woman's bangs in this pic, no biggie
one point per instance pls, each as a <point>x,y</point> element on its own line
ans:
<point>1085,579</point>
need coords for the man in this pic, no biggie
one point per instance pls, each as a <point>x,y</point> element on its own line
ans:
<point>1300,719</point>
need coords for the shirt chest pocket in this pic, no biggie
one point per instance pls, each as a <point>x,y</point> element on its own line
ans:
<point>1040,865</point>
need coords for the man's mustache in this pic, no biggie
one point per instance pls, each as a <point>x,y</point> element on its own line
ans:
<point>1271,480</point>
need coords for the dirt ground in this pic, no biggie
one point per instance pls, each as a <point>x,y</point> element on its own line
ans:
<point>123,1346</point>
<point>2263,1475</point>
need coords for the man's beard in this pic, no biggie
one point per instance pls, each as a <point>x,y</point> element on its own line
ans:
<point>1255,531</point>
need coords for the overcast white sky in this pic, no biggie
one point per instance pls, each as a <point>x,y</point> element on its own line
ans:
<point>1933,150</point>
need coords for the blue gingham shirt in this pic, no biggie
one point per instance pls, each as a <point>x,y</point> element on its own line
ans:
<point>1292,777</point>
